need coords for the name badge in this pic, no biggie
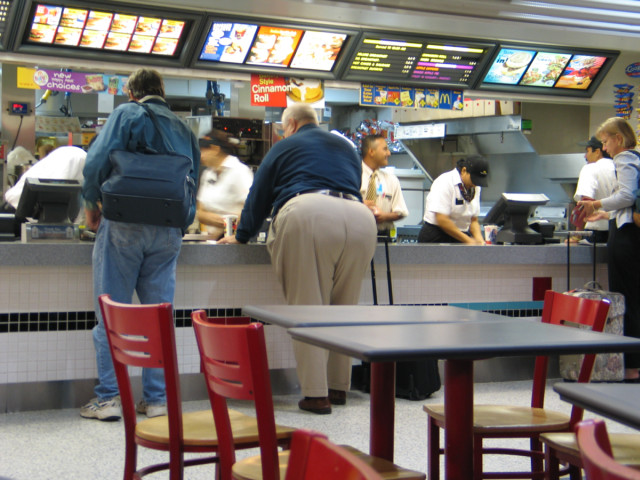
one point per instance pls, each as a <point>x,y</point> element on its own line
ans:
<point>459,201</point>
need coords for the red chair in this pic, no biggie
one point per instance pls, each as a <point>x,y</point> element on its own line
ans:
<point>506,421</point>
<point>314,457</point>
<point>595,451</point>
<point>144,336</point>
<point>236,367</point>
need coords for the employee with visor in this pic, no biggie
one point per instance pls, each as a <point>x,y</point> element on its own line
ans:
<point>453,204</point>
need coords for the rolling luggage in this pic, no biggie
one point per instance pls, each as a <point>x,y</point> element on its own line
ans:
<point>608,367</point>
<point>415,380</point>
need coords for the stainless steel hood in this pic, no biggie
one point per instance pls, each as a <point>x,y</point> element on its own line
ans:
<point>486,136</point>
<point>514,164</point>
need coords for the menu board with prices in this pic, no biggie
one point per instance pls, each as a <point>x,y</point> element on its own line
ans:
<point>60,25</point>
<point>251,44</point>
<point>547,69</point>
<point>417,61</point>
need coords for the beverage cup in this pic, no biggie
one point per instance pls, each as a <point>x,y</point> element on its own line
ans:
<point>230,224</point>
<point>490,233</point>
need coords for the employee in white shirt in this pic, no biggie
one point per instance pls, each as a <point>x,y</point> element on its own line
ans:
<point>596,181</point>
<point>63,163</point>
<point>453,204</point>
<point>380,189</point>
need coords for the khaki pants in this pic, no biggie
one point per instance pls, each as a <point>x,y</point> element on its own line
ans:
<point>320,248</point>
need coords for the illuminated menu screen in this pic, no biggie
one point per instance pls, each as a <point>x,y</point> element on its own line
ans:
<point>105,30</point>
<point>417,61</point>
<point>272,46</point>
<point>552,70</point>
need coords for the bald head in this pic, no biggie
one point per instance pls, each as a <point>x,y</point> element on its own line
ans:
<point>296,116</point>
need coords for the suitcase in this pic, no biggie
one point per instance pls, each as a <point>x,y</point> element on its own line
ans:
<point>415,380</point>
<point>608,367</point>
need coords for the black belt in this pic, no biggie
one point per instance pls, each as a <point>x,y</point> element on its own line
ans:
<point>334,193</point>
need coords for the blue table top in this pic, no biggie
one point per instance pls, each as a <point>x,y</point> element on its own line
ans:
<point>617,401</point>
<point>290,316</point>
<point>460,340</point>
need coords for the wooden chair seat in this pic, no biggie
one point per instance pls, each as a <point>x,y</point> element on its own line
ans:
<point>505,418</point>
<point>526,421</point>
<point>199,429</point>
<point>625,446</point>
<point>251,468</point>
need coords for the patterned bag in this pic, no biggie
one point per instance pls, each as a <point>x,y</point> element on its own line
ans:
<point>608,367</point>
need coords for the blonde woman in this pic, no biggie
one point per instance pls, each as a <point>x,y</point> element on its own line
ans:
<point>619,140</point>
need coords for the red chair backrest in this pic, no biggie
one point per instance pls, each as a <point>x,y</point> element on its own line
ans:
<point>561,309</point>
<point>314,457</point>
<point>143,336</point>
<point>595,450</point>
<point>235,366</point>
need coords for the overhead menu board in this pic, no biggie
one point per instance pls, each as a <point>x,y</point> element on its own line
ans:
<point>73,27</point>
<point>555,71</point>
<point>260,47</point>
<point>417,60</point>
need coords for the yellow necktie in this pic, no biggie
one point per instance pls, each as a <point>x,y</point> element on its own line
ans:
<point>371,188</point>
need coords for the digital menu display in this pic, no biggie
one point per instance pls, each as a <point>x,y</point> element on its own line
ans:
<point>251,44</point>
<point>105,30</point>
<point>554,71</point>
<point>416,60</point>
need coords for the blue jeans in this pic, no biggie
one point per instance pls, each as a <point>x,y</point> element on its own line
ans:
<point>128,257</point>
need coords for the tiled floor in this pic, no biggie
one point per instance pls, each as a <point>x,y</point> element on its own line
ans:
<point>59,444</point>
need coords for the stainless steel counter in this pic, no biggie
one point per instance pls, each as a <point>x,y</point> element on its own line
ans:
<point>54,254</point>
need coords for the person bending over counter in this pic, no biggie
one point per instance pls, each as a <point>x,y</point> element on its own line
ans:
<point>453,204</point>
<point>381,190</point>
<point>63,163</point>
<point>321,239</point>
<point>224,183</point>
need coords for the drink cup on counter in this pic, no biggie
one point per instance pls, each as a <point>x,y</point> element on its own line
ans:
<point>230,224</point>
<point>490,233</point>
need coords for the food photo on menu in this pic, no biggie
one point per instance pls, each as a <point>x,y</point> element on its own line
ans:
<point>274,46</point>
<point>42,33</point>
<point>509,66</point>
<point>318,51</point>
<point>165,46</point>
<point>141,44</point>
<point>581,70</point>
<point>93,39</point>
<point>124,23</point>
<point>47,14</point>
<point>73,18</point>
<point>99,21</point>
<point>545,69</point>
<point>148,26</point>
<point>117,41</point>
<point>228,42</point>
<point>171,29</point>
<point>68,36</point>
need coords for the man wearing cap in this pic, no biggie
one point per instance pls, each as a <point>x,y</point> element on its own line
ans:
<point>453,204</point>
<point>596,181</point>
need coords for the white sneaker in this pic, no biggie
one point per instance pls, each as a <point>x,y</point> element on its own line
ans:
<point>107,411</point>
<point>151,410</point>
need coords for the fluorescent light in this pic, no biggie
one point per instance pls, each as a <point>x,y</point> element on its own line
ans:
<point>571,21</point>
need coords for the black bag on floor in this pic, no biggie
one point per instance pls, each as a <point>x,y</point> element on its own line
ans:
<point>415,380</point>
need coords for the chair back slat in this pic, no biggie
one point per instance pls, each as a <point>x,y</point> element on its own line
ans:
<point>595,451</point>
<point>144,336</point>
<point>236,366</point>
<point>562,309</point>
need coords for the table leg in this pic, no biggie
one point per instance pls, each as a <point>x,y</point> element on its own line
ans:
<point>383,395</point>
<point>458,411</point>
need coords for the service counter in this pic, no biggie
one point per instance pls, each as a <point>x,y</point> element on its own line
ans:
<point>46,301</point>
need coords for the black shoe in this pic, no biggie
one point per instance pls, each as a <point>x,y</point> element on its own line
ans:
<point>319,405</point>
<point>337,397</point>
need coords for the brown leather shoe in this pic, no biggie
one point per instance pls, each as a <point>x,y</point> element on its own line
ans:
<point>337,397</point>
<point>319,405</point>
